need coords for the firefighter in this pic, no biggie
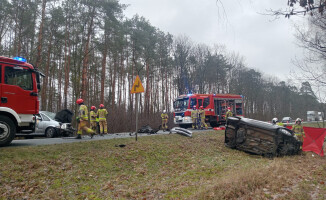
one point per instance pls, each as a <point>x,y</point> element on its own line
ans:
<point>102,114</point>
<point>165,118</point>
<point>202,116</point>
<point>82,120</point>
<point>298,130</point>
<point>93,117</point>
<point>194,115</point>
<point>276,122</point>
<point>228,114</point>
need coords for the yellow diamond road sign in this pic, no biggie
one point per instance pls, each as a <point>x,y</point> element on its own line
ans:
<point>137,87</point>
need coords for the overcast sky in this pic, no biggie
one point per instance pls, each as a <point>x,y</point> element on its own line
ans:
<point>268,45</point>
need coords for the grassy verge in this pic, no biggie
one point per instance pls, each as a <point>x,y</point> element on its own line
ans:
<point>158,167</point>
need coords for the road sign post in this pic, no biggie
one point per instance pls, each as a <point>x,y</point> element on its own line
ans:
<point>137,88</point>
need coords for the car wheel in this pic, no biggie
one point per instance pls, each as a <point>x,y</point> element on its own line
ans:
<point>50,132</point>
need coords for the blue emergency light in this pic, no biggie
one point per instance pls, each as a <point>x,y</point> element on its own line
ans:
<point>189,95</point>
<point>20,59</point>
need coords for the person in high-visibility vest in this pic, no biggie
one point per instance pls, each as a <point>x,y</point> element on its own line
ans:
<point>165,118</point>
<point>93,116</point>
<point>82,120</point>
<point>298,130</point>
<point>276,122</point>
<point>102,114</point>
<point>97,124</point>
<point>202,117</point>
<point>194,115</point>
<point>228,114</point>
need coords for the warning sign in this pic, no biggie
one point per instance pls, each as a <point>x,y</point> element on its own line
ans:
<point>137,87</point>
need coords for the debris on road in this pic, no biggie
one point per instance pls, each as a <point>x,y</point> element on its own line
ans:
<point>181,131</point>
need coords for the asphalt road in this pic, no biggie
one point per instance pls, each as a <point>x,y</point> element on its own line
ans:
<point>85,138</point>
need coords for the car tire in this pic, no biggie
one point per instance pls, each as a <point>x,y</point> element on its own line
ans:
<point>50,132</point>
<point>7,130</point>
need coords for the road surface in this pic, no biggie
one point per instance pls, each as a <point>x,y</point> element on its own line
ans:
<point>85,138</point>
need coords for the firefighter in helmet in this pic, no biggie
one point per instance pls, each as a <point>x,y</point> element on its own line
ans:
<point>276,122</point>
<point>102,113</point>
<point>201,113</point>
<point>194,115</point>
<point>228,114</point>
<point>165,118</point>
<point>93,116</point>
<point>298,130</point>
<point>82,120</point>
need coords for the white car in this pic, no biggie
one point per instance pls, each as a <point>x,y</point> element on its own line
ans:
<point>50,127</point>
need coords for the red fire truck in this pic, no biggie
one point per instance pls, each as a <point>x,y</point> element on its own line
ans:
<point>215,106</point>
<point>19,87</point>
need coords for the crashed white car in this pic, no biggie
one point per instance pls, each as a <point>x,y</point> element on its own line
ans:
<point>47,124</point>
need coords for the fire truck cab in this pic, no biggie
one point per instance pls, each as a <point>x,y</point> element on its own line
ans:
<point>215,106</point>
<point>19,86</point>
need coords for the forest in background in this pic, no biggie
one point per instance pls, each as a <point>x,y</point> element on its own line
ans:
<point>88,49</point>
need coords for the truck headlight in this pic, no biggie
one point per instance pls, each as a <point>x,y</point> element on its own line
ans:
<point>188,119</point>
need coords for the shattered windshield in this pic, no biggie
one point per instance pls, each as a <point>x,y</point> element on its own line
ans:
<point>181,104</point>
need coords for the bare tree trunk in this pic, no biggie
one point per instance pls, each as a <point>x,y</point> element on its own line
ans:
<point>59,106</point>
<point>40,36</point>
<point>146,103</point>
<point>67,63</point>
<point>166,91</point>
<point>114,81</point>
<point>45,81</point>
<point>86,56</point>
<point>104,54</point>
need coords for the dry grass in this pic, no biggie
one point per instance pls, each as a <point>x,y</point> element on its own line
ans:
<point>158,167</point>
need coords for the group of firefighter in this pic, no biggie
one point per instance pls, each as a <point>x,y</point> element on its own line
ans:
<point>197,116</point>
<point>297,128</point>
<point>97,118</point>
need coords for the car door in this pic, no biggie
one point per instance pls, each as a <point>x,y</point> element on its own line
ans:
<point>17,90</point>
<point>43,123</point>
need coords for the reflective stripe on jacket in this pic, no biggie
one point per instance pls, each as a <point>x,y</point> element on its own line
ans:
<point>228,114</point>
<point>93,115</point>
<point>83,112</point>
<point>164,116</point>
<point>298,129</point>
<point>101,113</point>
<point>194,114</point>
<point>202,113</point>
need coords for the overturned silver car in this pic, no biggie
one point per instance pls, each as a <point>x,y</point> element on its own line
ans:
<point>260,137</point>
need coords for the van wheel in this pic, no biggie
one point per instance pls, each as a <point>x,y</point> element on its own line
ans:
<point>50,132</point>
<point>7,130</point>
